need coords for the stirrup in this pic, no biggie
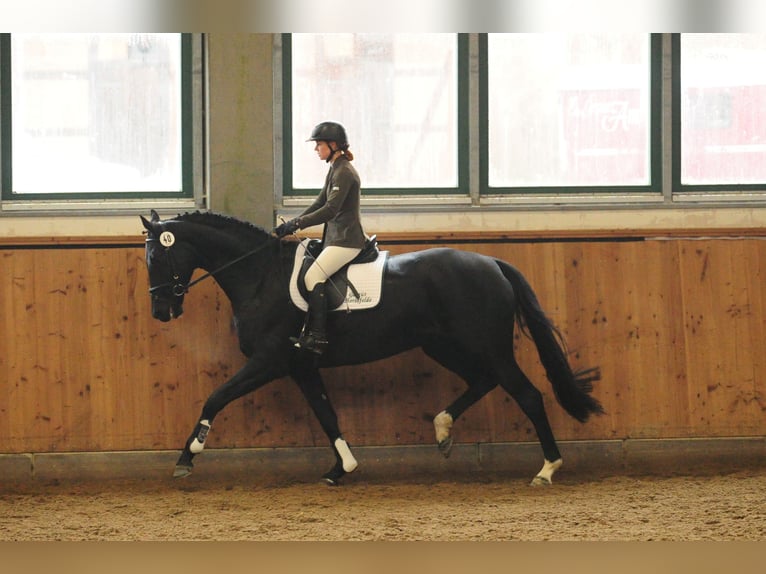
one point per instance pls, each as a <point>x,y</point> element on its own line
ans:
<point>313,342</point>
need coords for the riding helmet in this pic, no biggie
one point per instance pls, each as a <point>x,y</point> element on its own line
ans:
<point>330,132</point>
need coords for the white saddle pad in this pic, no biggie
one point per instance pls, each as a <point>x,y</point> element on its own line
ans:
<point>367,278</point>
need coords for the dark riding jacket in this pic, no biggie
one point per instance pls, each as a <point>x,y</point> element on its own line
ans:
<point>338,207</point>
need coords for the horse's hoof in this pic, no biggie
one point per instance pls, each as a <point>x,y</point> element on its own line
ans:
<point>545,476</point>
<point>540,481</point>
<point>445,446</point>
<point>332,477</point>
<point>182,471</point>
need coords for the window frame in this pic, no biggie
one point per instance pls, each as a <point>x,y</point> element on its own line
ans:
<point>741,192</point>
<point>191,193</point>
<point>663,192</point>
<point>654,187</point>
<point>288,192</point>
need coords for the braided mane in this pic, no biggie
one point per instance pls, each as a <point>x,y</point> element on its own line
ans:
<point>243,229</point>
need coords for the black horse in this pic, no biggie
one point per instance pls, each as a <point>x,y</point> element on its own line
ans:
<point>459,307</point>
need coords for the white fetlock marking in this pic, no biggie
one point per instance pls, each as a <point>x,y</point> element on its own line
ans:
<point>196,445</point>
<point>442,424</point>
<point>548,469</point>
<point>349,462</point>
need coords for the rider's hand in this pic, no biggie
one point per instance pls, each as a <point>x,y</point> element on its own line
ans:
<point>287,228</point>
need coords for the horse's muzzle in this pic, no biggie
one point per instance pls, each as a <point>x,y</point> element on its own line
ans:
<point>165,311</point>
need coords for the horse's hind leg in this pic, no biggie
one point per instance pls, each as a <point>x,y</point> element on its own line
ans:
<point>310,382</point>
<point>479,384</point>
<point>530,400</point>
<point>478,387</point>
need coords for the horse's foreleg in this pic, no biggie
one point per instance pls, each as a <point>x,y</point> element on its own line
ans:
<point>310,382</point>
<point>344,462</point>
<point>545,476</point>
<point>246,380</point>
<point>194,445</point>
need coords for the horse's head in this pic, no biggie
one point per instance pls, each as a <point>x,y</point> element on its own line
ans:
<point>170,262</point>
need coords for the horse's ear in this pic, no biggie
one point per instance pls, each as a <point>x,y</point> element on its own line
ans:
<point>146,223</point>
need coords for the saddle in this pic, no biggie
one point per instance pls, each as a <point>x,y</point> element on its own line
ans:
<point>357,285</point>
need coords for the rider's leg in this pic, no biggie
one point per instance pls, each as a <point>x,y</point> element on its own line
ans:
<point>329,262</point>
<point>313,337</point>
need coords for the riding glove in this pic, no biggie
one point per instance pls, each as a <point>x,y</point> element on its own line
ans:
<point>287,227</point>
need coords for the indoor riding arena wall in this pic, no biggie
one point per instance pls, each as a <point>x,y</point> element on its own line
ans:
<point>675,324</point>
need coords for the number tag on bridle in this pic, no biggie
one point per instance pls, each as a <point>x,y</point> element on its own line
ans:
<point>167,239</point>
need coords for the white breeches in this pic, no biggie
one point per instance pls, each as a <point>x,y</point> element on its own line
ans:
<point>330,260</point>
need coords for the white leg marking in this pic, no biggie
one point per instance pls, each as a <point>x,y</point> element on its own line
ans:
<point>442,424</point>
<point>197,445</point>
<point>349,462</point>
<point>545,476</point>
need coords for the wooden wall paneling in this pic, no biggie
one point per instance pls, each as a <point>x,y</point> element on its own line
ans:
<point>676,326</point>
<point>77,297</point>
<point>747,311</point>
<point>36,374</point>
<point>138,400</point>
<point>724,331</point>
<point>8,341</point>
<point>662,401</point>
<point>702,331</point>
<point>649,306</point>
<point>146,412</point>
<point>36,338</point>
<point>17,342</point>
<point>102,366</point>
<point>753,396</point>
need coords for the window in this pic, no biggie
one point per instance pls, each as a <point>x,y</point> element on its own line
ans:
<point>96,116</point>
<point>540,119</point>
<point>398,96</point>
<point>722,111</point>
<point>569,110</point>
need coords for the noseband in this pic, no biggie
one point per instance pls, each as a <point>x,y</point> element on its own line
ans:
<point>178,288</point>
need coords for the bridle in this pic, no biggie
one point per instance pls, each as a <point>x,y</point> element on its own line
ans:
<point>177,287</point>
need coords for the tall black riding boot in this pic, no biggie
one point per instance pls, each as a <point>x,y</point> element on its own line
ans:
<point>314,334</point>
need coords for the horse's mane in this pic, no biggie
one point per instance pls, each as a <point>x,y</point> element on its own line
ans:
<point>225,223</point>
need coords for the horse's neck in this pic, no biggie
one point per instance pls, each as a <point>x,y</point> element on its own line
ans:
<point>241,280</point>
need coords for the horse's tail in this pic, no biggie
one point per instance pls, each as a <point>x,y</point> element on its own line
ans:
<point>571,388</point>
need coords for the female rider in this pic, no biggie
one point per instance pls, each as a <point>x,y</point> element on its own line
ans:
<point>338,208</point>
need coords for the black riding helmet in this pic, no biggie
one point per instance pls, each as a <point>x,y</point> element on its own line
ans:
<point>330,132</point>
